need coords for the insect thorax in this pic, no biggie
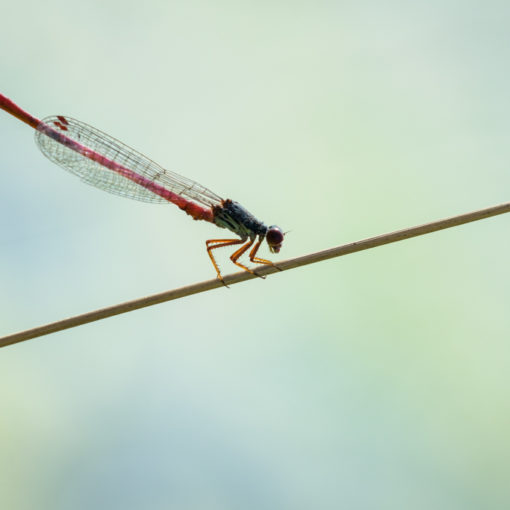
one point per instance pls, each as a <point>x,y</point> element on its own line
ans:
<point>237,219</point>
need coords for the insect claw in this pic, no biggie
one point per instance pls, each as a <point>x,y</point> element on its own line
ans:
<point>223,281</point>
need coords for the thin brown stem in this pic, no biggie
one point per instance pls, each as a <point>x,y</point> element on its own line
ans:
<point>232,279</point>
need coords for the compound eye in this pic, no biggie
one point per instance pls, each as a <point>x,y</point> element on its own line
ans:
<point>274,236</point>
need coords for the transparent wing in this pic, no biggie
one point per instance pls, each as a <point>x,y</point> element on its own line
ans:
<point>108,155</point>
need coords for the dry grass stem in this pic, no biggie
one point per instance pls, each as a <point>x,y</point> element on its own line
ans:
<point>232,279</point>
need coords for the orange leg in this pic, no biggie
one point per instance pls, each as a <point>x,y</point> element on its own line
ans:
<point>254,251</point>
<point>219,243</point>
<point>258,260</point>
<point>235,256</point>
<point>212,244</point>
<point>253,258</point>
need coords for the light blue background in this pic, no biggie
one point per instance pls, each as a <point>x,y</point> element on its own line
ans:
<point>378,380</point>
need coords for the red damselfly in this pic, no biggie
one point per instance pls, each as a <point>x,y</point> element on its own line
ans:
<point>102,161</point>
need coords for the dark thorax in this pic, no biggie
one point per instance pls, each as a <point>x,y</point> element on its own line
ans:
<point>237,219</point>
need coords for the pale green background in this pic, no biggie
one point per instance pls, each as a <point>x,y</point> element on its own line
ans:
<point>375,381</point>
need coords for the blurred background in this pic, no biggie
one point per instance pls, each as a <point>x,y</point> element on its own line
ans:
<point>376,380</point>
